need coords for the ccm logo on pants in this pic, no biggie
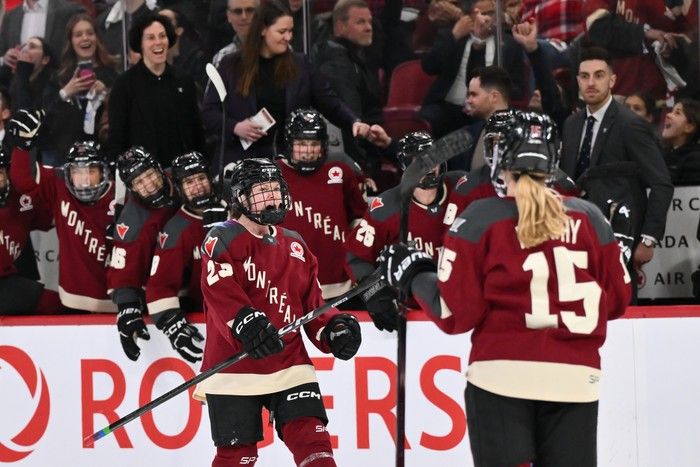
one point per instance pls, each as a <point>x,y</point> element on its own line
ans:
<point>303,395</point>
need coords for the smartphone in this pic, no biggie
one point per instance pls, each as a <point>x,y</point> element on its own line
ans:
<point>85,69</point>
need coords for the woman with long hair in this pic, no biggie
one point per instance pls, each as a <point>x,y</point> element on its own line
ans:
<point>85,75</point>
<point>536,277</point>
<point>267,74</point>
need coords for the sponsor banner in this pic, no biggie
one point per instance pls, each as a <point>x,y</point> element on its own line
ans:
<point>61,383</point>
<point>667,275</point>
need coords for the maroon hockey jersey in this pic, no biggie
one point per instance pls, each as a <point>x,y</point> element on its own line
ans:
<point>277,274</point>
<point>324,205</point>
<point>176,263</point>
<point>539,314</point>
<point>81,230</point>
<point>135,235</point>
<point>20,215</point>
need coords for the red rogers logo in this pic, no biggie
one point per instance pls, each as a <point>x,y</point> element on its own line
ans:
<point>22,444</point>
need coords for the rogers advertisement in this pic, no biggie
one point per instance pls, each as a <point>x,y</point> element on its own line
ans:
<point>62,382</point>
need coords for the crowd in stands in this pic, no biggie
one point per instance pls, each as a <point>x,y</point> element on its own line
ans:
<point>93,92</point>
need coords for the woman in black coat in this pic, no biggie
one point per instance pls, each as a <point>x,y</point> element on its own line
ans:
<point>680,133</point>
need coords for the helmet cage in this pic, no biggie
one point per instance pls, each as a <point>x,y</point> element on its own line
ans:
<point>244,177</point>
<point>306,124</point>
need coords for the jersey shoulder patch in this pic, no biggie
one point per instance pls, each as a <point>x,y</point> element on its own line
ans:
<point>171,233</point>
<point>385,205</point>
<point>219,237</point>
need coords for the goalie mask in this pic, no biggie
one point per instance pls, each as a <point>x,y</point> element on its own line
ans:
<point>191,175</point>
<point>86,172</point>
<point>410,146</point>
<point>531,146</point>
<point>144,177</point>
<point>4,177</point>
<point>307,141</point>
<point>259,191</point>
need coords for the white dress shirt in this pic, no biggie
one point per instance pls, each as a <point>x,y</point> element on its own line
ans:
<point>34,20</point>
<point>598,115</point>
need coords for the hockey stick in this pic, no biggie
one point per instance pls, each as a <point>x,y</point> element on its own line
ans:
<point>218,84</point>
<point>370,281</point>
<point>441,151</point>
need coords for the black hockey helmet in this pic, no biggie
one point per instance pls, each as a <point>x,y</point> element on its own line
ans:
<point>244,176</point>
<point>136,161</point>
<point>306,124</point>
<point>410,146</point>
<point>5,167</point>
<point>496,126</point>
<point>83,156</point>
<point>190,164</point>
<point>531,146</point>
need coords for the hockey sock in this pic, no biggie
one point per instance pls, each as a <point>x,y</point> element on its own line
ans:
<point>234,456</point>
<point>308,440</point>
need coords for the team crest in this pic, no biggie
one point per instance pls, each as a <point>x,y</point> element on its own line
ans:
<point>122,229</point>
<point>462,179</point>
<point>376,204</point>
<point>162,238</point>
<point>535,132</point>
<point>209,245</point>
<point>335,175</point>
<point>25,203</point>
<point>297,251</point>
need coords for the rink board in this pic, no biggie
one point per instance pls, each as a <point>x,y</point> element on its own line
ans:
<point>649,413</point>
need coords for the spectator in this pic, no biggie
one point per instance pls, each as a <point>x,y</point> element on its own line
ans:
<point>19,214</point>
<point>109,22</point>
<point>266,74</point>
<point>322,187</point>
<point>618,149</point>
<point>151,104</point>
<point>186,56</point>
<point>5,112</point>
<point>33,85</point>
<point>35,18</point>
<point>80,195</point>
<point>680,133</point>
<point>470,44</point>
<point>86,73</point>
<point>561,20</point>
<point>643,105</point>
<point>240,15</point>
<point>342,60</point>
<point>177,261</point>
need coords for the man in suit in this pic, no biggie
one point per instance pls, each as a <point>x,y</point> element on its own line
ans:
<point>611,152</point>
<point>43,18</point>
<point>457,52</point>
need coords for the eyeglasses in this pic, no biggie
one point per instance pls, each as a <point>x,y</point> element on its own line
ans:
<point>239,11</point>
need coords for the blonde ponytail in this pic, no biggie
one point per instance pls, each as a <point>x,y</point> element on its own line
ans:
<point>541,214</point>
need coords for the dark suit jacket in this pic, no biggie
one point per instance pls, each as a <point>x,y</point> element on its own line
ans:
<point>308,89</point>
<point>59,12</point>
<point>625,137</point>
<point>445,57</point>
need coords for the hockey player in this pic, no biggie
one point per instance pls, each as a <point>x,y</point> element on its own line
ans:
<point>256,278</point>
<point>151,202</point>
<point>537,278</point>
<point>327,196</point>
<point>430,213</point>
<point>81,197</point>
<point>20,214</point>
<point>177,261</point>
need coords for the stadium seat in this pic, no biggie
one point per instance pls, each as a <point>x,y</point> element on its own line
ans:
<point>408,86</point>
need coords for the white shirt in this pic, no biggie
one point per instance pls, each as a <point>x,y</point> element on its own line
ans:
<point>598,115</point>
<point>34,20</point>
<point>458,91</point>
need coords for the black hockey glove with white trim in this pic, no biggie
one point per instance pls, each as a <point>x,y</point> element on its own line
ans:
<point>131,327</point>
<point>343,336</point>
<point>23,128</point>
<point>254,330</point>
<point>400,263</point>
<point>382,305</point>
<point>182,334</point>
<point>213,215</point>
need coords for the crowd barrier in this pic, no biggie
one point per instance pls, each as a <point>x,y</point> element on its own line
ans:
<point>64,377</point>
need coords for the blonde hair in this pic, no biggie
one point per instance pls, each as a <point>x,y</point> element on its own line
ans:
<point>541,212</point>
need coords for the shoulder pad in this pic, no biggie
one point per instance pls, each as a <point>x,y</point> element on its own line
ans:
<point>385,205</point>
<point>480,216</point>
<point>595,217</point>
<point>219,237</point>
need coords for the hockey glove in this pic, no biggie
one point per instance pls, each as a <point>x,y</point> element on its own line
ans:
<point>131,327</point>
<point>254,330</point>
<point>23,128</point>
<point>400,263</point>
<point>343,336</point>
<point>213,215</point>
<point>183,335</point>
<point>382,305</point>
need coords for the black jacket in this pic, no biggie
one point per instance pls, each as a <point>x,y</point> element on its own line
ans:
<point>159,113</point>
<point>684,164</point>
